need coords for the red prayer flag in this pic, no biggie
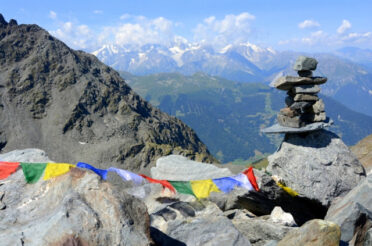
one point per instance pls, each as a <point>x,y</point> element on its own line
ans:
<point>7,168</point>
<point>250,175</point>
<point>164,183</point>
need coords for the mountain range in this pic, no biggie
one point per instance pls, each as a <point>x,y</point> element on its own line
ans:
<point>348,70</point>
<point>228,116</point>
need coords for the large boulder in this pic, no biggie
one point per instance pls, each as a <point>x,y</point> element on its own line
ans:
<point>179,168</point>
<point>353,213</point>
<point>313,233</point>
<point>318,165</point>
<point>77,208</point>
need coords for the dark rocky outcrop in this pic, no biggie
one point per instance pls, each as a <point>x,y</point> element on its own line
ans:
<point>55,98</point>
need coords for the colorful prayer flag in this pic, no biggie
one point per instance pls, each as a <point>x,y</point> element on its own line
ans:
<point>56,169</point>
<point>183,187</point>
<point>7,168</point>
<point>250,174</point>
<point>126,175</point>
<point>287,189</point>
<point>164,183</point>
<point>202,188</point>
<point>33,171</point>
<point>226,184</point>
<point>101,172</point>
<point>243,181</point>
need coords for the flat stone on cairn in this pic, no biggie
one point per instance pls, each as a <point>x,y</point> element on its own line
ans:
<point>304,111</point>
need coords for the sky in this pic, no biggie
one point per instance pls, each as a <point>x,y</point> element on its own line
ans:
<point>312,26</point>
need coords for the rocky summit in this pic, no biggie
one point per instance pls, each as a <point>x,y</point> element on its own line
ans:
<point>74,107</point>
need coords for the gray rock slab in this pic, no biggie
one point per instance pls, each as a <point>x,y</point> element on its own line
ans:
<point>76,208</point>
<point>315,233</point>
<point>25,155</point>
<point>287,82</point>
<point>211,230</point>
<point>304,63</point>
<point>318,165</point>
<point>347,210</point>
<point>318,106</point>
<point>259,231</point>
<point>179,168</point>
<point>308,128</point>
<point>305,73</point>
<point>312,89</point>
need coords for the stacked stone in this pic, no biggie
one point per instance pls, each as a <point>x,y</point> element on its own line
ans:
<point>303,105</point>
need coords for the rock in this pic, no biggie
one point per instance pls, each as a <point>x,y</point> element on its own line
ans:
<point>318,165</point>
<point>286,121</point>
<point>348,212</point>
<point>287,82</point>
<point>76,208</point>
<point>276,128</point>
<point>289,100</point>
<point>288,112</point>
<point>260,231</point>
<point>304,63</point>
<point>305,73</point>
<point>179,168</point>
<point>25,155</point>
<point>301,107</point>
<point>311,89</point>
<point>305,97</point>
<point>56,98</point>
<point>311,117</point>
<point>318,106</point>
<point>313,233</point>
<point>13,22</point>
<point>206,226</point>
<point>368,238</point>
<point>363,151</point>
<point>280,217</point>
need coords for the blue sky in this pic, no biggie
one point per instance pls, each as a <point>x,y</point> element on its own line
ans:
<point>283,25</point>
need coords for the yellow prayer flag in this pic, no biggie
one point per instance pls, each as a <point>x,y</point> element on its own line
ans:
<point>56,169</point>
<point>288,190</point>
<point>202,188</point>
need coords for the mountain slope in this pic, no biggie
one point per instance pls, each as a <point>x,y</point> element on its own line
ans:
<point>227,115</point>
<point>78,109</point>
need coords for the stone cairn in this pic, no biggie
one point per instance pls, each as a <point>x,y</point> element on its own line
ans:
<point>303,105</point>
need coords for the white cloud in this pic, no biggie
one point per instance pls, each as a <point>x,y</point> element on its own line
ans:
<point>308,24</point>
<point>78,36</point>
<point>230,29</point>
<point>97,12</point>
<point>344,26</point>
<point>52,15</point>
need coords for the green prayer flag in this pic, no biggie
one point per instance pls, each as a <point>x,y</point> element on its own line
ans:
<point>183,187</point>
<point>33,171</point>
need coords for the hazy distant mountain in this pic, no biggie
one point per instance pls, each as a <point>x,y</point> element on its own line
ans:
<point>361,56</point>
<point>348,82</point>
<point>228,115</point>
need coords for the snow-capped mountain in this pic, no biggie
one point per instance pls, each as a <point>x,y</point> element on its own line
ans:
<point>348,82</point>
<point>242,62</point>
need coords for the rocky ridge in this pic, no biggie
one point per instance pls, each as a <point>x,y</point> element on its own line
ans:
<point>52,97</point>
